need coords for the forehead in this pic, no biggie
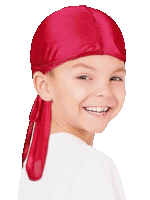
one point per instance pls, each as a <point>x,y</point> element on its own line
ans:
<point>94,63</point>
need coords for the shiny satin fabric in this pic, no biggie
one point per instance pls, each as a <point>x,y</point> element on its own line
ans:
<point>67,34</point>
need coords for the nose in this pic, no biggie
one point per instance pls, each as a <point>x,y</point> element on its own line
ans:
<point>103,89</point>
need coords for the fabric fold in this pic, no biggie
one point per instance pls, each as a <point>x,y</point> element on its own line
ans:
<point>41,116</point>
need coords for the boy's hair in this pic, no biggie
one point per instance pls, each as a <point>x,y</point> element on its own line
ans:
<point>51,73</point>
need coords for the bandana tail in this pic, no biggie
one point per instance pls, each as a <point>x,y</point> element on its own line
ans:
<point>41,116</point>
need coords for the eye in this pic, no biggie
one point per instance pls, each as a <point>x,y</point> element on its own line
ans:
<point>120,79</point>
<point>79,77</point>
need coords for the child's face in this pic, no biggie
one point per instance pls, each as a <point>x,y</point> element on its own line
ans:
<point>70,94</point>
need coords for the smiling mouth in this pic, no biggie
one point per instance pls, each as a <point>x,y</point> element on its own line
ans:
<point>97,112</point>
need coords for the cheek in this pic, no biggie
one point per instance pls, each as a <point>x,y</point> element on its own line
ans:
<point>120,98</point>
<point>79,93</point>
<point>120,93</point>
<point>119,90</point>
<point>76,90</point>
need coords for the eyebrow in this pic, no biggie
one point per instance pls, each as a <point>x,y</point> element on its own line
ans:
<point>83,65</point>
<point>92,68</point>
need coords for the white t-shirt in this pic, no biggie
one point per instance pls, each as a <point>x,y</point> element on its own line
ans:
<point>73,171</point>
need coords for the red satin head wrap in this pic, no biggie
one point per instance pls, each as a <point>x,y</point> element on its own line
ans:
<point>67,34</point>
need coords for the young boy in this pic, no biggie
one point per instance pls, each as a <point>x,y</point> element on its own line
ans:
<point>78,67</point>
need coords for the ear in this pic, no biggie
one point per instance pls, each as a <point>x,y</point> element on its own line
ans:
<point>42,85</point>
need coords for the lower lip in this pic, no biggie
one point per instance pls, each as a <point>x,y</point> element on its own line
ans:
<point>98,116</point>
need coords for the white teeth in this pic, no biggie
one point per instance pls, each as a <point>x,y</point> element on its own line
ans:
<point>98,109</point>
<point>105,109</point>
<point>94,109</point>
